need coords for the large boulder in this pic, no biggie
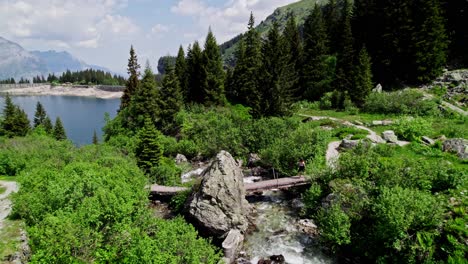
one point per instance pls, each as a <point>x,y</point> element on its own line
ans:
<point>220,205</point>
<point>458,146</point>
<point>390,136</point>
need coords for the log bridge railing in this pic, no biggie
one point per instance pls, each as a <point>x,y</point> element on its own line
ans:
<point>280,183</point>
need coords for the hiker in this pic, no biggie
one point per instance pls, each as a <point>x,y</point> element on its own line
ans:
<point>301,165</point>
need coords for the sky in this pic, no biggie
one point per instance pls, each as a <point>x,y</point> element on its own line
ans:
<point>100,32</point>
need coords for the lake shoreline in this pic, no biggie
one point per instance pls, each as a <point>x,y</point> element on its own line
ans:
<point>64,91</point>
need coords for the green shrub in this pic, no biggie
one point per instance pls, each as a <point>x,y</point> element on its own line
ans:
<point>412,129</point>
<point>326,101</point>
<point>304,143</point>
<point>406,102</point>
<point>166,173</point>
<point>178,201</point>
<point>334,225</point>
<point>188,148</point>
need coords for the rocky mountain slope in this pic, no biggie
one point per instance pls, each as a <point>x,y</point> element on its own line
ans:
<point>17,62</point>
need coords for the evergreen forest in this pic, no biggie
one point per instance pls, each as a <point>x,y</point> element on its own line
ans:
<point>288,94</point>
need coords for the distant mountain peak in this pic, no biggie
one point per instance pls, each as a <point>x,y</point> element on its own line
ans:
<point>17,62</point>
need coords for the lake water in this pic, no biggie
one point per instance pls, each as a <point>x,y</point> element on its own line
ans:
<point>80,115</point>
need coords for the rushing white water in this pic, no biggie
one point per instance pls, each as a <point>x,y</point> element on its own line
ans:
<point>277,233</point>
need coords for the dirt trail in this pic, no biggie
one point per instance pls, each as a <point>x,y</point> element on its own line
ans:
<point>5,203</point>
<point>333,154</point>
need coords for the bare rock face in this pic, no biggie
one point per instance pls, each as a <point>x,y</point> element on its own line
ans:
<point>458,146</point>
<point>219,205</point>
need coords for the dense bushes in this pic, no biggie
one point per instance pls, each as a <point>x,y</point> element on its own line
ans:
<point>406,102</point>
<point>383,205</point>
<point>90,205</point>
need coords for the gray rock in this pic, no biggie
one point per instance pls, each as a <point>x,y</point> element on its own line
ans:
<point>308,226</point>
<point>232,244</point>
<point>219,205</point>
<point>377,123</point>
<point>374,138</point>
<point>297,204</point>
<point>349,144</point>
<point>359,123</point>
<point>377,89</point>
<point>458,146</point>
<point>180,159</point>
<point>428,140</point>
<point>390,136</point>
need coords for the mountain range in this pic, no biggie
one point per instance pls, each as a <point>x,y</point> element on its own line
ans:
<point>16,62</point>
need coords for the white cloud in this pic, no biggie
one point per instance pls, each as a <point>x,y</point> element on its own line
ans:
<point>159,28</point>
<point>229,20</point>
<point>66,23</point>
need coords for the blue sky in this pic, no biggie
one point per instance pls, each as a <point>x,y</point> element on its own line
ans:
<point>101,31</point>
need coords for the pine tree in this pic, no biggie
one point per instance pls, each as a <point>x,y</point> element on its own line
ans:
<point>277,75</point>
<point>40,115</point>
<point>332,22</point>
<point>47,124</point>
<point>362,78</point>
<point>95,138</point>
<point>314,70</point>
<point>294,50</point>
<point>196,74</point>
<point>235,81</point>
<point>345,60</point>
<point>171,101</point>
<point>247,68</point>
<point>181,72</point>
<point>132,82</point>
<point>59,130</point>
<point>214,89</point>
<point>15,121</point>
<point>144,102</point>
<point>430,41</point>
<point>148,150</point>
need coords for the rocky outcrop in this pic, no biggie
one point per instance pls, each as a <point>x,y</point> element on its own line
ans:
<point>180,159</point>
<point>456,83</point>
<point>219,205</point>
<point>349,144</point>
<point>458,146</point>
<point>390,136</point>
<point>232,244</point>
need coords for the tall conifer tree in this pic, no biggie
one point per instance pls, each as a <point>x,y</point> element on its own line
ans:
<point>132,82</point>
<point>277,75</point>
<point>332,21</point>
<point>171,101</point>
<point>345,60</point>
<point>95,138</point>
<point>362,78</point>
<point>196,74</point>
<point>15,121</point>
<point>181,71</point>
<point>247,70</point>
<point>144,103</point>
<point>314,69</point>
<point>59,130</point>
<point>294,50</point>
<point>40,115</point>
<point>48,127</point>
<point>430,41</point>
<point>148,151</point>
<point>214,89</point>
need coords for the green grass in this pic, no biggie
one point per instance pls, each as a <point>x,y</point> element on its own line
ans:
<point>7,178</point>
<point>2,190</point>
<point>10,238</point>
<point>432,154</point>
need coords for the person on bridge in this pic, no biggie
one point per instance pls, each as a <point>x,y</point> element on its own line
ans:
<point>301,165</point>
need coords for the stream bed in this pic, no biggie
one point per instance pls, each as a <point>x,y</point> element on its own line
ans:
<point>277,233</point>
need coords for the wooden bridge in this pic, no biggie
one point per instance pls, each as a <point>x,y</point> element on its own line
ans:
<point>280,183</point>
